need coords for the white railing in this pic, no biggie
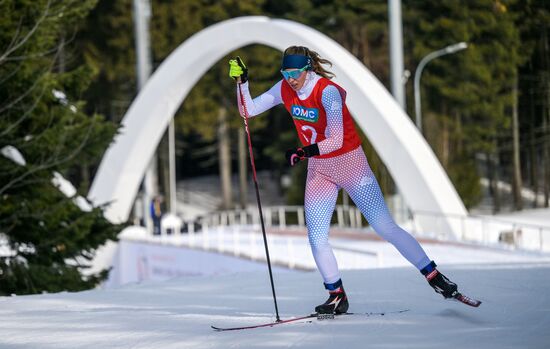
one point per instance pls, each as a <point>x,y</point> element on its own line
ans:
<point>238,233</point>
<point>477,229</point>
<point>290,251</point>
<point>279,216</point>
<point>485,230</point>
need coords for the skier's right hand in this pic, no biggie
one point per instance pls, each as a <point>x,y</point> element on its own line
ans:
<point>237,70</point>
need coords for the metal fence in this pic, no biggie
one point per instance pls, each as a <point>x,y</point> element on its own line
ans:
<point>476,229</point>
<point>280,216</point>
<point>289,251</point>
<point>486,230</point>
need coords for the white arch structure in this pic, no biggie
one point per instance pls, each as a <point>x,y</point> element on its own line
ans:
<point>412,164</point>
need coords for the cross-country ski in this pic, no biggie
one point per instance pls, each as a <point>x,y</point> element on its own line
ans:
<point>307,318</point>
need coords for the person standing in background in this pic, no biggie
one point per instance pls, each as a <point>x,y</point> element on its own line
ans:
<point>156,214</point>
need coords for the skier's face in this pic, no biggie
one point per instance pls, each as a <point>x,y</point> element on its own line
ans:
<point>295,78</point>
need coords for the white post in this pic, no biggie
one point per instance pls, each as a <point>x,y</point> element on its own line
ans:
<point>282,217</point>
<point>301,217</point>
<point>242,217</point>
<point>172,165</point>
<point>351,213</point>
<point>340,216</point>
<point>396,52</point>
<point>268,217</point>
<point>396,73</point>
<point>142,14</point>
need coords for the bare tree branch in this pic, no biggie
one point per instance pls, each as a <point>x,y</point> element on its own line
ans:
<point>19,98</point>
<point>36,55</point>
<point>17,32</point>
<point>25,114</point>
<point>14,47</point>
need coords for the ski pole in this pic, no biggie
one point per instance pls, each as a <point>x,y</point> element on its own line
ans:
<point>258,197</point>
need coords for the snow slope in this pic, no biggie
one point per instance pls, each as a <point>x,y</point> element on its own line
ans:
<point>178,313</point>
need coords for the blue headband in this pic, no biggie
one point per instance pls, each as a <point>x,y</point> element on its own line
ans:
<point>295,62</point>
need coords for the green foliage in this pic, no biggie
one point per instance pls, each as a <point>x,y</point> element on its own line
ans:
<point>47,240</point>
<point>476,82</point>
<point>463,174</point>
<point>105,43</point>
<point>467,96</point>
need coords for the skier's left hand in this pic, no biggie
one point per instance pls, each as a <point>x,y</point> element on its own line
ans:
<point>294,156</point>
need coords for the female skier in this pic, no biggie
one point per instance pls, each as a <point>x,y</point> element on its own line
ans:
<point>336,160</point>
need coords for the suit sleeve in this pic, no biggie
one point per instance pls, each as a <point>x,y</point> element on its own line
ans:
<point>332,103</point>
<point>263,102</point>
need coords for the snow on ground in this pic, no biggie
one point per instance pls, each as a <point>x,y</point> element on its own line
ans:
<point>178,313</point>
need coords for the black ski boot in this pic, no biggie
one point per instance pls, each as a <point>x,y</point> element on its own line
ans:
<point>337,302</point>
<point>439,282</point>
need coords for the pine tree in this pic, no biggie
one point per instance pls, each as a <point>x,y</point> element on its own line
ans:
<point>468,95</point>
<point>46,240</point>
<point>533,20</point>
<point>105,43</point>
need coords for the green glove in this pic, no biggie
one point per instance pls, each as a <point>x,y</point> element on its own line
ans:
<point>237,70</point>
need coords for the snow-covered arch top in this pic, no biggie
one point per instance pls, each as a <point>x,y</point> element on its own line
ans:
<point>419,175</point>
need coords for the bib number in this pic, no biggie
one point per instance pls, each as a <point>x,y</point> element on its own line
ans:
<point>313,134</point>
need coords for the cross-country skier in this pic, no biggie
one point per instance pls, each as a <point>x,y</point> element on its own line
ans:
<point>335,161</point>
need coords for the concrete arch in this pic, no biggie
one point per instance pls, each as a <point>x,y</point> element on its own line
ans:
<point>411,162</point>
